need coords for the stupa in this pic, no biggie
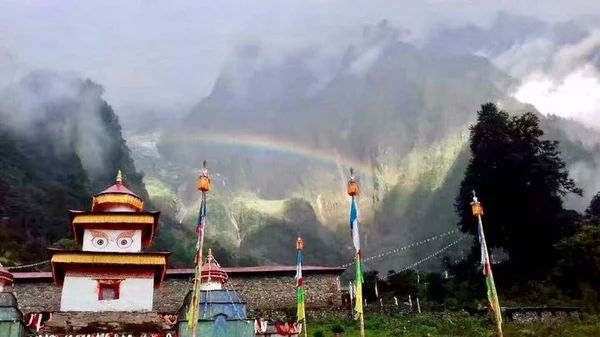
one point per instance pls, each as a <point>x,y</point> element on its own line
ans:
<point>11,318</point>
<point>110,273</point>
<point>222,313</point>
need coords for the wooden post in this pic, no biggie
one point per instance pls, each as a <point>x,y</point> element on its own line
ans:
<point>477,210</point>
<point>305,328</point>
<point>197,283</point>
<point>203,185</point>
<point>362,325</point>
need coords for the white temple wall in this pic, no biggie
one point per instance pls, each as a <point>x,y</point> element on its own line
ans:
<point>121,208</point>
<point>211,285</point>
<point>112,240</point>
<point>81,294</point>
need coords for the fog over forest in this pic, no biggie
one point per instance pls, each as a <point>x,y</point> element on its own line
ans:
<point>282,98</point>
<point>165,56</point>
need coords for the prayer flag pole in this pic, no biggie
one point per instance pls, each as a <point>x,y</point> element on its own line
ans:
<point>353,192</point>
<point>301,314</point>
<point>477,209</point>
<point>203,186</point>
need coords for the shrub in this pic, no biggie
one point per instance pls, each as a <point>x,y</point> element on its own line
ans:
<point>337,329</point>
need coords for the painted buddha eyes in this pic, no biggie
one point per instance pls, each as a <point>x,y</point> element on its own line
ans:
<point>100,239</point>
<point>99,242</point>
<point>124,242</point>
<point>125,239</point>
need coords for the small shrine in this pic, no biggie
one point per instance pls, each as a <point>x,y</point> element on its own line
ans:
<point>11,318</point>
<point>110,273</point>
<point>222,313</point>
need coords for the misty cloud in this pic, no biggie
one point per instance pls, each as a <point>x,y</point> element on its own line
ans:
<point>167,55</point>
<point>586,176</point>
<point>60,108</point>
<point>560,80</point>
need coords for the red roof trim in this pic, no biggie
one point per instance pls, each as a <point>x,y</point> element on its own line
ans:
<point>190,271</point>
<point>118,188</point>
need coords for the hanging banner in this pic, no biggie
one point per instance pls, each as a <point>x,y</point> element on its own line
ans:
<point>107,334</point>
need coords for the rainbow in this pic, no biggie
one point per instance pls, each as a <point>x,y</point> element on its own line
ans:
<point>268,142</point>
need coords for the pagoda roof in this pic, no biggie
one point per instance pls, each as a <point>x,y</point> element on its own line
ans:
<point>117,195</point>
<point>147,222</point>
<point>109,262</point>
<point>211,270</point>
<point>118,188</point>
<point>6,277</point>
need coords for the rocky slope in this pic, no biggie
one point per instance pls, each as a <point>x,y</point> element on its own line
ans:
<point>280,137</point>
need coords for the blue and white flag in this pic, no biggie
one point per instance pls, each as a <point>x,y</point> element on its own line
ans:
<point>354,225</point>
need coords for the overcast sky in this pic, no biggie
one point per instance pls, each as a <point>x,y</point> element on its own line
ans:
<point>167,53</point>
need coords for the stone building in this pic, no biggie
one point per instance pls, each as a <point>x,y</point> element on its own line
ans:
<point>267,290</point>
<point>264,288</point>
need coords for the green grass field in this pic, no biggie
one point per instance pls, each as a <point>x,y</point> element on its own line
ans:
<point>456,324</point>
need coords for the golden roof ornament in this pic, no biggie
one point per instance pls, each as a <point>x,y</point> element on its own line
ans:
<point>299,243</point>
<point>353,189</point>
<point>204,183</point>
<point>115,196</point>
<point>476,206</point>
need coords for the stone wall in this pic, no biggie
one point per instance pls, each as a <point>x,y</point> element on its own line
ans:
<point>320,291</point>
<point>262,293</point>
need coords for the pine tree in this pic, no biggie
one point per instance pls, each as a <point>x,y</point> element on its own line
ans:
<point>520,179</point>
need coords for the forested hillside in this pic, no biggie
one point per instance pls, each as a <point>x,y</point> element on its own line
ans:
<point>60,143</point>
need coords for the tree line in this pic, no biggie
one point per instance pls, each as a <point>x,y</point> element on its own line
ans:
<point>552,255</point>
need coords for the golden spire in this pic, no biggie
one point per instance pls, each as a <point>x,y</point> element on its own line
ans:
<point>299,243</point>
<point>352,189</point>
<point>119,177</point>
<point>210,256</point>
<point>203,183</point>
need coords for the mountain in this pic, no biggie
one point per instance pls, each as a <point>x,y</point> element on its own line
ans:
<point>280,133</point>
<point>506,31</point>
<point>277,131</point>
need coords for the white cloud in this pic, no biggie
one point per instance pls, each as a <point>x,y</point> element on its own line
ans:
<point>166,54</point>
<point>577,95</point>
<point>561,81</point>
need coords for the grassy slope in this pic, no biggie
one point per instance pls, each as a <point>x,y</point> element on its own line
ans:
<point>456,324</point>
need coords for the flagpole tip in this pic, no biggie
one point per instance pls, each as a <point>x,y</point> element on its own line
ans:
<point>476,207</point>
<point>299,243</point>
<point>204,183</point>
<point>352,189</point>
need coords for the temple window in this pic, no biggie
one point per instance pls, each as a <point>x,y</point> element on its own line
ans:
<point>108,290</point>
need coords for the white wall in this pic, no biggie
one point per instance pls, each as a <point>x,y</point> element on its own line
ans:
<point>121,208</point>
<point>111,242</point>
<point>80,294</point>
<point>211,285</point>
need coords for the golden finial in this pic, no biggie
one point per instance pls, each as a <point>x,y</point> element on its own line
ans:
<point>476,206</point>
<point>119,177</point>
<point>210,256</point>
<point>299,244</point>
<point>203,183</point>
<point>352,185</point>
